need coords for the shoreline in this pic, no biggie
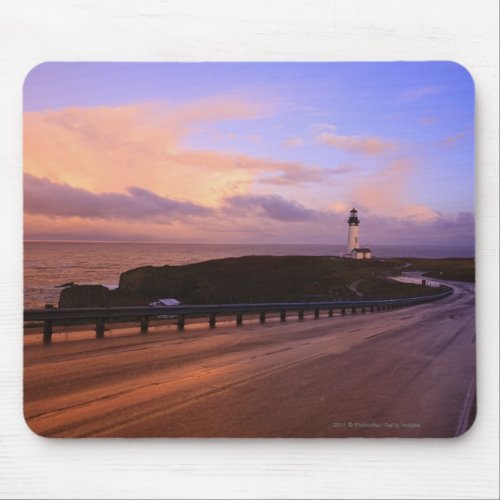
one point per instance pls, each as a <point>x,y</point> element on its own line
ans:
<point>97,264</point>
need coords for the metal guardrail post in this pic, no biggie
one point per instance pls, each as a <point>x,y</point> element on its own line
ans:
<point>239,318</point>
<point>181,322</point>
<point>283,315</point>
<point>330,312</point>
<point>301,314</point>
<point>99,328</point>
<point>316,313</point>
<point>262,316</point>
<point>47,327</point>
<point>144,324</point>
<point>211,320</point>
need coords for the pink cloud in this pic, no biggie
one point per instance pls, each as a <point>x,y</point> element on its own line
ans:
<point>293,174</point>
<point>420,214</point>
<point>428,120</point>
<point>452,140</point>
<point>366,145</point>
<point>81,164</point>
<point>292,142</point>
<point>415,94</point>
<point>386,190</point>
<point>107,149</point>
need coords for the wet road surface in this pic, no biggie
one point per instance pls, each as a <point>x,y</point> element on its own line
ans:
<point>408,372</point>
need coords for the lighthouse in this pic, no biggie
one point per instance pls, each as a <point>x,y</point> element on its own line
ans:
<point>353,249</point>
<point>353,234</point>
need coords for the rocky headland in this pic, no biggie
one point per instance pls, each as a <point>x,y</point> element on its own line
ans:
<point>253,279</point>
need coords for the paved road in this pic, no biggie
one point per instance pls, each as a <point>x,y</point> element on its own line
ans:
<point>408,372</point>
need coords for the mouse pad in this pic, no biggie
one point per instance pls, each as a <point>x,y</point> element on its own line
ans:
<point>249,250</point>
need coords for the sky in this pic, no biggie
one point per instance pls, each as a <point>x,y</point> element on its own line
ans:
<point>249,152</point>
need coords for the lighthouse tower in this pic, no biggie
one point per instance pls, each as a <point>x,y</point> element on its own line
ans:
<point>353,234</point>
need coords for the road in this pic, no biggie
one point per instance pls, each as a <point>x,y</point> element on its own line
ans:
<point>406,373</point>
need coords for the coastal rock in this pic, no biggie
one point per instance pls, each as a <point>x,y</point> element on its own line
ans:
<point>65,285</point>
<point>146,280</point>
<point>84,296</point>
<point>98,296</point>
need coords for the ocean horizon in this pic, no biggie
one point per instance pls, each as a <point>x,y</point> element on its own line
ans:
<point>48,264</point>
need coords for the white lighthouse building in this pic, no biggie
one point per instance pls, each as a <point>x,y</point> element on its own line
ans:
<point>354,250</point>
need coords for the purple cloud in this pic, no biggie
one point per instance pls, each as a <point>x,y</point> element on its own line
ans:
<point>44,197</point>
<point>271,206</point>
<point>53,200</point>
<point>450,229</point>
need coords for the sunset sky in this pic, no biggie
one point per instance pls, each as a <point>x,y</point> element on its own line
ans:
<point>249,152</point>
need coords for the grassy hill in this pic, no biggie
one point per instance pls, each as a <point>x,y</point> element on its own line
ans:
<point>251,279</point>
<point>447,269</point>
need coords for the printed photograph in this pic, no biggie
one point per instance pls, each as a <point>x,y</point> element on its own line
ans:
<point>249,250</point>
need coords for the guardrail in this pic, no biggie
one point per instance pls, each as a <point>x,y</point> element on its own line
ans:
<point>50,315</point>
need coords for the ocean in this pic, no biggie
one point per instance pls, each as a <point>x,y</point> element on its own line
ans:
<point>49,264</point>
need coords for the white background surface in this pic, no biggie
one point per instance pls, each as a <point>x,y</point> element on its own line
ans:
<point>465,31</point>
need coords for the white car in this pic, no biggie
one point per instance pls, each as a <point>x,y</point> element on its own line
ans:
<point>163,303</point>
